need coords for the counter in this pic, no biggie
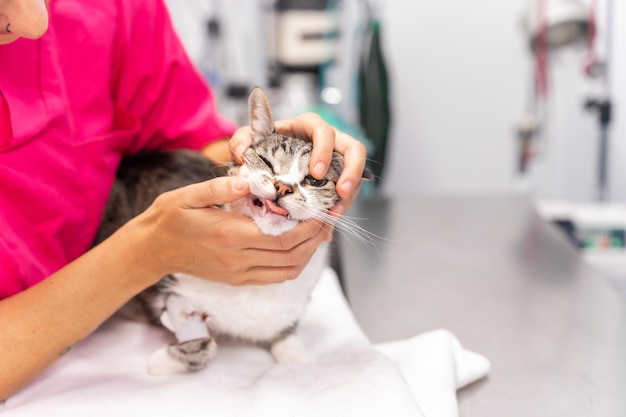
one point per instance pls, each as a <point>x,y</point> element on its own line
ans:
<point>508,284</point>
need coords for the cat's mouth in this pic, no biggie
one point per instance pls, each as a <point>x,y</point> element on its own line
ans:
<point>266,205</point>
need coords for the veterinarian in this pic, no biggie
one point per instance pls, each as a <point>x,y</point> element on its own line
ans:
<point>83,82</point>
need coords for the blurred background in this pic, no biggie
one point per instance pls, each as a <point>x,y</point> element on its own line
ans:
<point>451,97</point>
<point>459,73</point>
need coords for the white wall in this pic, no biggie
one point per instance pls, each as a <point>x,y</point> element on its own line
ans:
<point>460,74</point>
<point>618,135</point>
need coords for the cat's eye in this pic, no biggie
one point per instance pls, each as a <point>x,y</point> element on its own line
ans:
<point>315,182</point>
<point>266,162</point>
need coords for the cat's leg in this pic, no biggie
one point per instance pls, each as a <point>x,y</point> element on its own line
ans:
<point>181,358</point>
<point>289,349</point>
<point>194,348</point>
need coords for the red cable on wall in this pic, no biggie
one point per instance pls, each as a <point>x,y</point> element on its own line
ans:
<point>592,57</point>
<point>541,50</point>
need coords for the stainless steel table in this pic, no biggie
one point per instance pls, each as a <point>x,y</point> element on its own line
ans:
<point>508,285</point>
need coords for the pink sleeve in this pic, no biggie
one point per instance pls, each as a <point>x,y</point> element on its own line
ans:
<point>10,280</point>
<point>155,81</point>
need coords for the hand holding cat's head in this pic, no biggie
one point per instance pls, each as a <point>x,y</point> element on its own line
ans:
<point>283,191</point>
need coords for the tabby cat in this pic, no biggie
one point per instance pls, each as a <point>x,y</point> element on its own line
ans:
<point>282,193</point>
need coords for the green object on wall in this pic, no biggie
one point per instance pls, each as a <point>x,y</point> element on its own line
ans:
<point>374,108</point>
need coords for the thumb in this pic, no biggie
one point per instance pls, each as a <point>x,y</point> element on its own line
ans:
<point>214,192</point>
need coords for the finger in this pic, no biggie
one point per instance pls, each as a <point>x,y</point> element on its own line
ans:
<point>301,126</point>
<point>271,275</point>
<point>284,259</point>
<point>302,233</point>
<point>325,139</point>
<point>272,267</point>
<point>312,127</point>
<point>305,232</point>
<point>239,142</point>
<point>329,227</point>
<point>214,192</point>
<point>267,277</point>
<point>328,233</point>
<point>354,158</point>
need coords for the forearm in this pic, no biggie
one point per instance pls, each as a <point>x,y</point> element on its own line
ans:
<point>41,323</point>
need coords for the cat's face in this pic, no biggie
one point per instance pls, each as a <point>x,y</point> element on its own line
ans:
<point>282,191</point>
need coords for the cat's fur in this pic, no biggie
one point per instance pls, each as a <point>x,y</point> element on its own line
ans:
<point>282,194</point>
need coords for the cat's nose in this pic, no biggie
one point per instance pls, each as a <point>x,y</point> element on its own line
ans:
<point>282,188</point>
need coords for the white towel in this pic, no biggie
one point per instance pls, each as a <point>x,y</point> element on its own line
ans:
<point>106,374</point>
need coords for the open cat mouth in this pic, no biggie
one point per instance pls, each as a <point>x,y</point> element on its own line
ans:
<point>265,205</point>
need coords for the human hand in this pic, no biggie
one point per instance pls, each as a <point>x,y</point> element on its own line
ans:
<point>183,231</point>
<point>326,139</point>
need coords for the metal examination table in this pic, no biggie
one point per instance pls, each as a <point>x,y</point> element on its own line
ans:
<point>509,285</point>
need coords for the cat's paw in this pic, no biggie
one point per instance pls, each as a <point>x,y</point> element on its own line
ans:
<point>190,356</point>
<point>161,363</point>
<point>291,350</point>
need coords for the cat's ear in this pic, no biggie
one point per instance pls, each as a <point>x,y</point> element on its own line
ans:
<point>368,174</point>
<point>261,120</point>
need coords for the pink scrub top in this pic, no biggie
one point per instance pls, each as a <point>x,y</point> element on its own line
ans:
<point>108,78</point>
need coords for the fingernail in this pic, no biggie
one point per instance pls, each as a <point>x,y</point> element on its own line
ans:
<point>319,169</point>
<point>347,187</point>
<point>240,184</point>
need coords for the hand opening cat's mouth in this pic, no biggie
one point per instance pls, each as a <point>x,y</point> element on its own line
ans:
<point>265,206</point>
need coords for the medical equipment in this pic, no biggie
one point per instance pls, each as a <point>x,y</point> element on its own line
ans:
<point>551,26</point>
<point>374,107</point>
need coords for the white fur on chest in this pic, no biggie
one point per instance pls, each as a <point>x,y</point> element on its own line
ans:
<point>257,313</point>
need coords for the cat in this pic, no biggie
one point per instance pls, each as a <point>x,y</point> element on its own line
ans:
<point>282,193</point>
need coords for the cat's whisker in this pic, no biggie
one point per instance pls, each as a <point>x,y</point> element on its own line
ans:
<point>351,229</point>
<point>347,226</point>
